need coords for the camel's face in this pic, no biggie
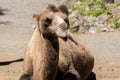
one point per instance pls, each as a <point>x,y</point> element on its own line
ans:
<point>53,22</point>
<point>56,26</point>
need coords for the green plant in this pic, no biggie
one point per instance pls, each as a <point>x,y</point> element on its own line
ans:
<point>114,21</point>
<point>73,30</point>
<point>86,0</point>
<point>90,7</point>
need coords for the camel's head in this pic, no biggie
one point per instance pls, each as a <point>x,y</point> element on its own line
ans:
<point>53,21</point>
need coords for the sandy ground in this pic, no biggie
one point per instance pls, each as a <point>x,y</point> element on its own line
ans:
<point>106,49</point>
<point>16,31</point>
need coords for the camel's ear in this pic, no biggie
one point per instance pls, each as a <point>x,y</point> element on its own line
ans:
<point>64,9</point>
<point>52,7</point>
<point>36,17</point>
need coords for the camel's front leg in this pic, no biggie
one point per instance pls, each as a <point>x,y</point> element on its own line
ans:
<point>28,67</point>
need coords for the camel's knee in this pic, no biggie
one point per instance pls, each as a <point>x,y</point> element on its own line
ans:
<point>25,77</point>
<point>72,75</point>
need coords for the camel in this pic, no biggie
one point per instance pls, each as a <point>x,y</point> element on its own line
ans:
<point>73,60</point>
<point>42,54</point>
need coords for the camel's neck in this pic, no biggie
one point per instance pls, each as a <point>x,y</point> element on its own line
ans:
<point>47,56</point>
<point>54,42</point>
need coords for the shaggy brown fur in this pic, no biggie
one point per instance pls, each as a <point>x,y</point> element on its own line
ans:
<point>75,61</point>
<point>65,53</point>
<point>42,54</point>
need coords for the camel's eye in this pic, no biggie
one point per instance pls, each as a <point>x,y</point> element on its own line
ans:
<point>46,21</point>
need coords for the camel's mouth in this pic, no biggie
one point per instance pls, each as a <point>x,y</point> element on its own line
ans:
<point>62,33</point>
<point>64,38</point>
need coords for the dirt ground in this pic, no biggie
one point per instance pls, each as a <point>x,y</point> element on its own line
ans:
<point>16,31</point>
<point>104,46</point>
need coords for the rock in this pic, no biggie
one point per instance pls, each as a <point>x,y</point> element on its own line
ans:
<point>116,12</point>
<point>76,20</point>
<point>92,30</point>
<point>112,69</point>
<point>95,24</point>
<point>87,8</point>
<point>108,30</point>
<point>105,30</point>
<point>111,30</point>
<point>103,17</point>
<point>111,25</point>
<point>83,24</point>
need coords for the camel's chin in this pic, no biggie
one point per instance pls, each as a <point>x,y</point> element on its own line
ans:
<point>62,34</point>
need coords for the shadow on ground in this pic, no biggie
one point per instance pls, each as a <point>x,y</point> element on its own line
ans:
<point>9,62</point>
<point>5,22</point>
<point>2,11</point>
